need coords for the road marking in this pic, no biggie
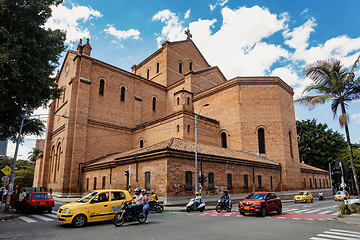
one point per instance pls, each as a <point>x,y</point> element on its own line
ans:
<point>299,211</point>
<point>343,234</point>
<point>316,210</point>
<point>345,231</point>
<point>325,212</point>
<point>42,218</point>
<point>335,237</point>
<point>28,220</point>
<point>337,234</point>
<point>50,215</point>
<point>54,212</point>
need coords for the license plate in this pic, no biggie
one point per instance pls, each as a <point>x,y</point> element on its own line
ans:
<point>42,203</point>
<point>246,208</point>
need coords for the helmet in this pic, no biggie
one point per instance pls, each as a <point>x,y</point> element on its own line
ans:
<point>226,191</point>
<point>143,191</point>
<point>137,191</point>
<point>153,192</point>
<point>197,193</point>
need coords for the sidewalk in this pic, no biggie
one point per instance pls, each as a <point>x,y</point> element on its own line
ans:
<point>353,219</point>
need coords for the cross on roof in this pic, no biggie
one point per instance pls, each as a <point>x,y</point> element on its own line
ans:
<point>188,34</point>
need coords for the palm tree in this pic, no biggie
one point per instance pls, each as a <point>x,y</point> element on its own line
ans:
<point>333,82</point>
<point>34,154</point>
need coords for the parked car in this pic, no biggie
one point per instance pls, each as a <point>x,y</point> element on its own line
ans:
<point>100,205</point>
<point>40,201</point>
<point>260,203</point>
<point>339,196</point>
<point>303,196</point>
<point>354,201</point>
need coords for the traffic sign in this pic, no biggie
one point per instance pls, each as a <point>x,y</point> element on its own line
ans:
<point>6,170</point>
<point>5,179</point>
<point>343,185</point>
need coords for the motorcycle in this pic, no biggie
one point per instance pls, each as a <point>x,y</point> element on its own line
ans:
<point>191,206</point>
<point>156,206</point>
<point>126,214</point>
<point>321,198</point>
<point>222,206</point>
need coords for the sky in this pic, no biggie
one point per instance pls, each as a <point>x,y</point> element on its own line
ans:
<point>241,37</point>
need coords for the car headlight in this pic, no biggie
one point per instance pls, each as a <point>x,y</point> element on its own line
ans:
<point>66,210</point>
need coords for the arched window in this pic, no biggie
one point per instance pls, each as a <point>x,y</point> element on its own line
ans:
<point>259,182</point>
<point>122,94</point>
<point>148,74</point>
<point>178,101</point>
<point>157,67</point>
<point>261,140</point>
<point>188,101</point>
<point>271,183</point>
<point>180,67</point>
<point>178,128</point>
<point>154,104</point>
<point>94,183</point>
<point>223,140</point>
<point>141,143</point>
<point>101,87</point>
<point>291,148</point>
<point>190,66</point>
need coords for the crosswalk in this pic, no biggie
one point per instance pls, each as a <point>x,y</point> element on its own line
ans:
<point>33,218</point>
<point>337,234</point>
<point>328,210</point>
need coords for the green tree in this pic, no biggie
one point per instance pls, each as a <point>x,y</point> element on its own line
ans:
<point>29,54</point>
<point>356,154</point>
<point>333,82</point>
<point>34,154</point>
<point>318,145</point>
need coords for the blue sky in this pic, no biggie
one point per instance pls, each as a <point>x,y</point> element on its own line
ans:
<point>243,38</point>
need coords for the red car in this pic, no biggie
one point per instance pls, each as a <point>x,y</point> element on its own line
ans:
<point>39,201</point>
<point>260,203</point>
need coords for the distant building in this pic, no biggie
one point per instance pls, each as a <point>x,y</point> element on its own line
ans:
<point>145,119</point>
<point>3,147</point>
<point>40,143</point>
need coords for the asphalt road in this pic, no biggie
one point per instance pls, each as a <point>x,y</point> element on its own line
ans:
<point>299,221</point>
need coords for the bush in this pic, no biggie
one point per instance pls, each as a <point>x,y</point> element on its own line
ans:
<point>352,208</point>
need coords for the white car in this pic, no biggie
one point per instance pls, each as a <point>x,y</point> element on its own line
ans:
<point>354,201</point>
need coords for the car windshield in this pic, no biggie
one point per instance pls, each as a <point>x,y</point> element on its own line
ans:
<point>301,193</point>
<point>87,197</point>
<point>339,193</point>
<point>42,196</point>
<point>257,196</point>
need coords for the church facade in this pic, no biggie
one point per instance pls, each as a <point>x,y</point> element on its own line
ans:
<point>144,122</point>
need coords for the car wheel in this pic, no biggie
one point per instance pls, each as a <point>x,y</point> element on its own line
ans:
<point>79,220</point>
<point>142,218</point>
<point>242,213</point>
<point>49,209</point>
<point>279,210</point>
<point>262,212</point>
<point>312,200</point>
<point>305,200</point>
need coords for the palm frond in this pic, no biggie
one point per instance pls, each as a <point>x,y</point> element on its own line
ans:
<point>312,101</point>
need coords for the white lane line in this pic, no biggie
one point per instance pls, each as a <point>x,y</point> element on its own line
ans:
<point>345,231</point>
<point>299,211</point>
<point>26,219</point>
<point>343,234</point>
<point>54,212</point>
<point>50,215</point>
<point>43,218</point>
<point>316,238</point>
<point>325,212</point>
<point>316,210</point>
<point>334,237</point>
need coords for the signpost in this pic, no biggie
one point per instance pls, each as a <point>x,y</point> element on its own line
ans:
<point>4,179</point>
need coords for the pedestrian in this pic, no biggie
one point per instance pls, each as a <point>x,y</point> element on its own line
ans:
<point>21,200</point>
<point>50,190</point>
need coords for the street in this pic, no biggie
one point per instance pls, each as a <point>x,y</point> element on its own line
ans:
<point>299,221</point>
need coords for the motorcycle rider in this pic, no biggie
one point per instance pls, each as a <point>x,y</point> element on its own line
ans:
<point>227,198</point>
<point>146,203</point>
<point>154,199</point>
<point>137,202</point>
<point>197,199</point>
<point>321,196</point>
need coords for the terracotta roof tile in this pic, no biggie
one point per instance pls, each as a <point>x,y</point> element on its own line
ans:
<point>186,146</point>
<point>308,167</point>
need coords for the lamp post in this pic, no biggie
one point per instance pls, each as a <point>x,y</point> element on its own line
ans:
<point>196,151</point>
<point>23,116</point>
<point>332,191</point>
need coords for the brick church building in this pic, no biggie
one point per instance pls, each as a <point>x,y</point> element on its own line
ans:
<point>144,121</point>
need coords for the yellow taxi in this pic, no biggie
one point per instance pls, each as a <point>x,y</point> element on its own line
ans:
<point>303,196</point>
<point>100,205</point>
<point>339,196</point>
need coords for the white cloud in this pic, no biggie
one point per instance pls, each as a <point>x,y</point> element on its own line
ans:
<point>131,33</point>
<point>187,14</point>
<point>356,117</point>
<point>71,19</point>
<point>299,36</point>
<point>212,7</point>
<point>219,2</point>
<point>173,29</point>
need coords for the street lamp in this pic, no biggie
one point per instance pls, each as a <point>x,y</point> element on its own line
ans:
<point>196,151</point>
<point>23,116</point>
